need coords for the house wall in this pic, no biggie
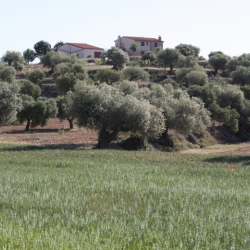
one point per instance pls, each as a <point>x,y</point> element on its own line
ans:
<point>82,53</point>
<point>148,46</point>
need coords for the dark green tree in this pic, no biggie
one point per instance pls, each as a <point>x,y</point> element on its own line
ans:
<point>42,48</point>
<point>57,45</point>
<point>29,55</point>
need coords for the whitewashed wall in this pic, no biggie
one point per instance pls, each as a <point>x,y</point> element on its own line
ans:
<point>82,53</point>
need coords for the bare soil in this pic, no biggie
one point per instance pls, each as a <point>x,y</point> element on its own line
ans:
<point>56,134</point>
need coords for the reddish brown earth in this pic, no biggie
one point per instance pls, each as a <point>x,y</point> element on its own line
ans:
<point>56,134</point>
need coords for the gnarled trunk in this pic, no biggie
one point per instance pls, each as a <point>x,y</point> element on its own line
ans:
<point>166,140</point>
<point>136,143</point>
<point>105,137</point>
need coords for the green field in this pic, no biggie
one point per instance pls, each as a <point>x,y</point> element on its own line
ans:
<point>89,199</point>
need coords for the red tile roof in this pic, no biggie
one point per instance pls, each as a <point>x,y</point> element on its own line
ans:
<point>144,39</point>
<point>84,46</point>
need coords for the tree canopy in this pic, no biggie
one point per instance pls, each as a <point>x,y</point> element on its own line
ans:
<point>188,50</point>
<point>36,112</point>
<point>29,55</point>
<point>9,102</point>
<point>14,59</point>
<point>168,58</point>
<point>42,48</point>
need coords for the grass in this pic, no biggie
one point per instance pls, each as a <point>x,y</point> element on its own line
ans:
<point>85,199</point>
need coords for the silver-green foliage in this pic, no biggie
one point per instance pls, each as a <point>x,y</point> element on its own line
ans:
<point>241,75</point>
<point>52,58</point>
<point>67,75</point>
<point>36,77</point>
<point>110,111</point>
<point>9,102</point>
<point>7,73</point>
<point>191,76</point>
<point>181,113</point>
<point>36,112</point>
<point>15,59</point>
<point>31,89</point>
<point>135,73</point>
<point>65,108</point>
<point>118,56</point>
<point>108,76</point>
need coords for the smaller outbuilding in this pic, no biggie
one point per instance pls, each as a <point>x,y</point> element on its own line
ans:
<point>82,50</point>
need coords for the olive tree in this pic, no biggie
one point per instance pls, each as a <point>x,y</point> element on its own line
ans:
<point>14,59</point>
<point>241,75</point>
<point>7,73</point>
<point>191,76</point>
<point>52,58</point>
<point>65,111</point>
<point>181,113</point>
<point>168,58</point>
<point>31,89</point>
<point>108,76</point>
<point>110,111</point>
<point>187,61</point>
<point>36,112</point>
<point>36,77</point>
<point>188,50</point>
<point>133,47</point>
<point>134,73</point>
<point>9,102</point>
<point>150,56</point>
<point>218,61</point>
<point>118,56</point>
<point>66,75</point>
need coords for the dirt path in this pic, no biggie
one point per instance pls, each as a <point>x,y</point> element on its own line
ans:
<point>225,149</point>
<point>55,134</point>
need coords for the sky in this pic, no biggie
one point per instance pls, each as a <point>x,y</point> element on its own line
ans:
<point>214,25</point>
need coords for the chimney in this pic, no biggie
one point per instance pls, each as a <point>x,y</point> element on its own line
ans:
<point>159,38</point>
<point>119,42</point>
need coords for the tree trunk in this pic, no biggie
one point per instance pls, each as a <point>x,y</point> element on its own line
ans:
<point>105,137</point>
<point>71,125</point>
<point>135,143</point>
<point>166,140</point>
<point>27,125</point>
<point>171,68</point>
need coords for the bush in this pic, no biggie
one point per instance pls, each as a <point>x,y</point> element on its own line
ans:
<point>108,76</point>
<point>241,75</point>
<point>135,73</point>
<point>36,77</point>
<point>31,89</point>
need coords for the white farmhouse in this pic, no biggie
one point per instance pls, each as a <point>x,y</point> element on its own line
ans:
<point>82,50</point>
<point>144,44</point>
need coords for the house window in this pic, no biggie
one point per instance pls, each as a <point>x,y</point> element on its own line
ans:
<point>146,43</point>
<point>142,53</point>
<point>155,44</point>
<point>142,43</point>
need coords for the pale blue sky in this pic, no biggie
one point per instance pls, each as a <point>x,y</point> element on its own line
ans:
<point>211,25</point>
